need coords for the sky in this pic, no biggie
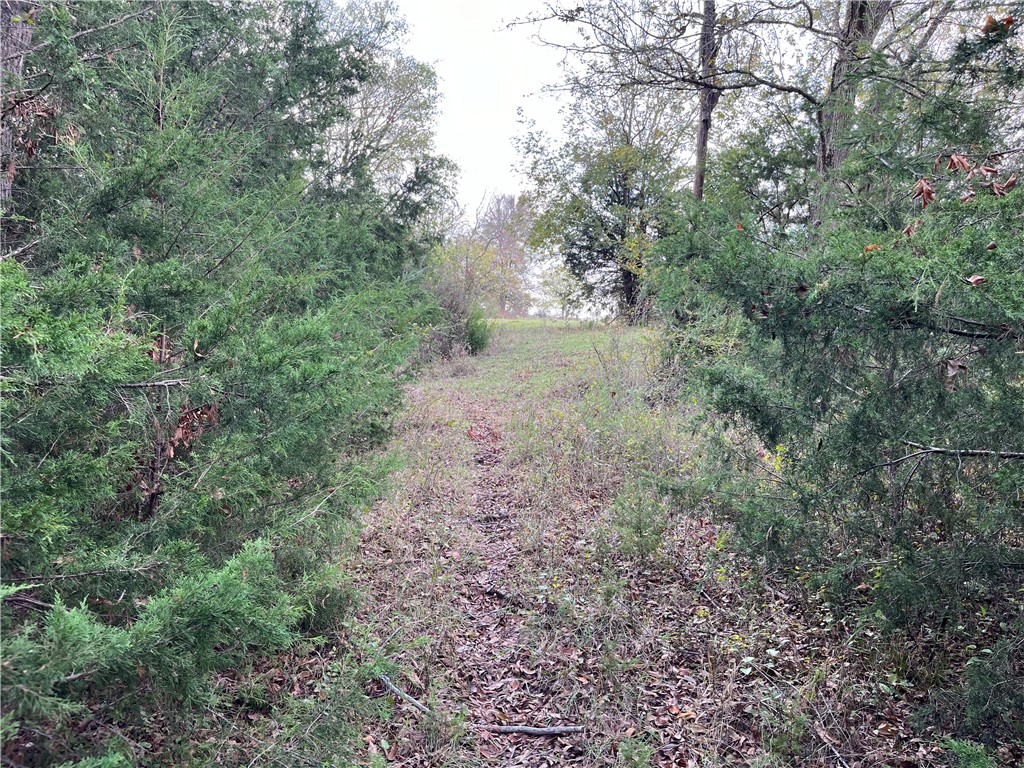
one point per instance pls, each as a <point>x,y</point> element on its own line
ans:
<point>486,73</point>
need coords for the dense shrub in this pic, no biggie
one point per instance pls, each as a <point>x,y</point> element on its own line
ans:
<point>478,331</point>
<point>865,377</point>
<point>201,337</point>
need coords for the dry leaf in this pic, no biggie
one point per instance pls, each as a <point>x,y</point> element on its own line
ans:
<point>925,191</point>
<point>999,190</point>
<point>958,163</point>
<point>911,229</point>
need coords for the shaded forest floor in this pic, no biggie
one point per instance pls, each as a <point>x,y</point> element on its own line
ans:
<point>527,569</point>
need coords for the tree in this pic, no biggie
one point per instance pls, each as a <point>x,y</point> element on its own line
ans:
<point>698,49</point>
<point>870,367</point>
<point>16,20</point>
<point>601,192</point>
<point>505,230</point>
<point>485,263</point>
<point>388,127</point>
<point>559,291</point>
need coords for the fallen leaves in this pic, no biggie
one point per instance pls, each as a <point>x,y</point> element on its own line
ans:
<point>697,655</point>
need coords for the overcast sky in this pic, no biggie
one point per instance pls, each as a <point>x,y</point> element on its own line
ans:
<point>486,73</point>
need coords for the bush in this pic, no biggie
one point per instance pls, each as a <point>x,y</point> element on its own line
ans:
<point>478,331</point>
<point>640,521</point>
<point>865,388</point>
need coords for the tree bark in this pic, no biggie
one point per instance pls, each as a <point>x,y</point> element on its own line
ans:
<point>630,291</point>
<point>15,40</point>
<point>861,25</point>
<point>707,94</point>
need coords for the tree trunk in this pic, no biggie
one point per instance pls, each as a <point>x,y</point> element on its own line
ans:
<point>707,94</point>
<point>861,24</point>
<point>15,40</point>
<point>630,291</point>
<point>863,20</point>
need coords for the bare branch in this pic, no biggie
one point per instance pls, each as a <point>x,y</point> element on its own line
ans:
<point>966,452</point>
<point>149,384</point>
<point>405,696</point>
<point>555,730</point>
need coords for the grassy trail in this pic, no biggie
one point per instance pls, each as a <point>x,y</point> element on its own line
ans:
<point>526,571</point>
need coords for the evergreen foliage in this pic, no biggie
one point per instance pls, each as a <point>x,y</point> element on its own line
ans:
<point>202,323</point>
<point>875,357</point>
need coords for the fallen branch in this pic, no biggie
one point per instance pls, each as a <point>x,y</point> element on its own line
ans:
<point>26,600</point>
<point>148,384</point>
<point>84,574</point>
<point>526,730</point>
<point>405,696</point>
<point>529,730</point>
<point>27,247</point>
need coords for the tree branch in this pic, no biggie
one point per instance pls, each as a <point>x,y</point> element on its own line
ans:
<point>112,571</point>
<point>149,384</point>
<point>529,730</point>
<point>405,696</point>
<point>114,23</point>
<point>964,452</point>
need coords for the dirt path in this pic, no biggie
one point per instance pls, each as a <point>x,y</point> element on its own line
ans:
<point>445,552</point>
<point>526,571</point>
<point>446,555</point>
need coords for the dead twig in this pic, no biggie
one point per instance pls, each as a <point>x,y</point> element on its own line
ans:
<point>1010,455</point>
<point>149,384</point>
<point>526,730</point>
<point>405,696</point>
<point>529,730</point>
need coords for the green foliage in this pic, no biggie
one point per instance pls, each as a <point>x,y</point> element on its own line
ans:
<point>864,374</point>
<point>634,753</point>
<point>478,331</point>
<point>640,521</point>
<point>602,194</point>
<point>605,219</point>
<point>968,754</point>
<point>994,696</point>
<point>107,761</point>
<point>202,330</point>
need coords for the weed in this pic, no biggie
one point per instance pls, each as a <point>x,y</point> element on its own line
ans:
<point>969,754</point>
<point>641,521</point>
<point>634,753</point>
